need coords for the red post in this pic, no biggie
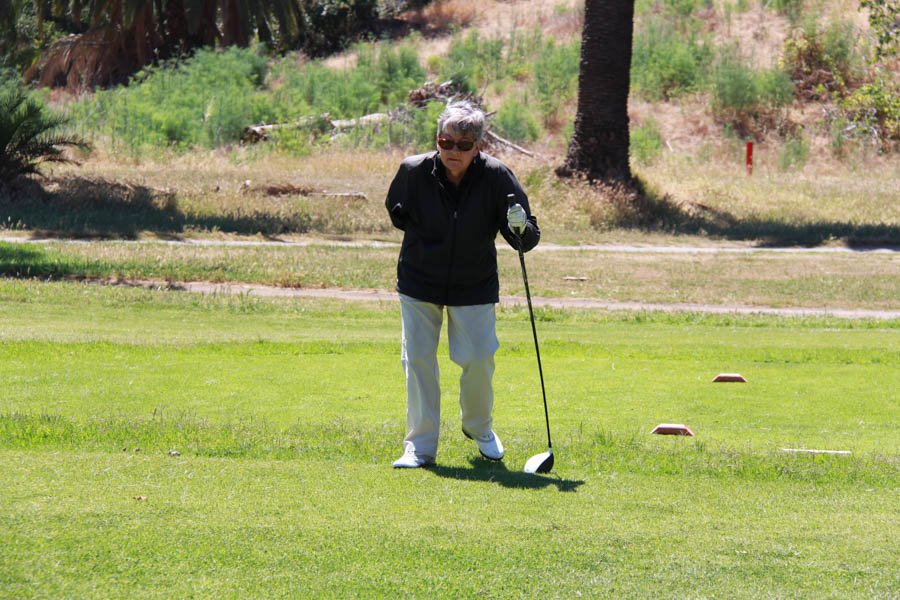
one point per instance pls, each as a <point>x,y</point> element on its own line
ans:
<point>749,158</point>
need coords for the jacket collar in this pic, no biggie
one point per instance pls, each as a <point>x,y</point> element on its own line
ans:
<point>439,172</point>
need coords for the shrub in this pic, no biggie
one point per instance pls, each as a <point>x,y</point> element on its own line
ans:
<point>29,134</point>
<point>204,101</point>
<point>381,79</point>
<point>515,122</point>
<point>734,85</point>
<point>666,63</point>
<point>425,125</point>
<point>673,9</point>
<point>398,71</point>
<point>873,112</point>
<point>775,87</point>
<point>883,19</point>
<point>315,89</point>
<point>748,98</point>
<point>556,76</point>
<point>837,129</point>
<point>646,142</point>
<point>474,61</point>
<point>520,49</point>
<point>820,59</point>
<point>292,141</point>
<point>21,39</point>
<point>210,99</point>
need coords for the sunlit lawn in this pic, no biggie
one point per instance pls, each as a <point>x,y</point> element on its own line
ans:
<point>163,444</point>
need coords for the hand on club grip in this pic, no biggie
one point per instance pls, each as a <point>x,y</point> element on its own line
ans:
<point>516,218</point>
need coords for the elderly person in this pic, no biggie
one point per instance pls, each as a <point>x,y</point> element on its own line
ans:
<point>450,204</point>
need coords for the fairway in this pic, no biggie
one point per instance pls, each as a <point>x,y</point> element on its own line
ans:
<point>165,444</point>
<point>208,211</point>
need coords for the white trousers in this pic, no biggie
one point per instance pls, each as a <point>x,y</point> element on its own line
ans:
<point>473,343</point>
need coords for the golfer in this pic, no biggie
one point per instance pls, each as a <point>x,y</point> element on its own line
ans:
<point>450,205</point>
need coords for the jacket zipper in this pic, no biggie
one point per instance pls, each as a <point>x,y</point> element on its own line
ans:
<point>452,255</point>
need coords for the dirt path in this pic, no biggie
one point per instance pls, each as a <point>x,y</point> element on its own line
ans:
<point>576,303</point>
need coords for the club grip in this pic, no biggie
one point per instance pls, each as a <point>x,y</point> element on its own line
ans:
<point>510,200</point>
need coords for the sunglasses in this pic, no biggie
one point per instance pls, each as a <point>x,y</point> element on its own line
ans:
<point>462,145</point>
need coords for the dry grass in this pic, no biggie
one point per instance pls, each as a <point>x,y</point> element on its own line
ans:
<point>496,18</point>
<point>233,187</point>
<point>440,16</point>
<point>825,191</point>
<point>698,188</point>
<point>760,279</point>
<point>686,126</point>
<point>499,17</point>
<point>758,33</point>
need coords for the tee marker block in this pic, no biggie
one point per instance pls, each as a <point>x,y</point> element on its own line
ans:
<point>672,429</point>
<point>722,377</point>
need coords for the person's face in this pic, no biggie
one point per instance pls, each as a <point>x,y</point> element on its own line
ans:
<point>455,160</point>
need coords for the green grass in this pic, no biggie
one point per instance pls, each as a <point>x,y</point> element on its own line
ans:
<point>843,280</point>
<point>225,528</point>
<point>286,415</point>
<point>155,443</point>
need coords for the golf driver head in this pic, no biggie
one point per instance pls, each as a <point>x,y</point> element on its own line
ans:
<point>540,463</point>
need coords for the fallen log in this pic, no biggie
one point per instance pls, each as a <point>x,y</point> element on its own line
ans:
<point>288,189</point>
<point>260,133</point>
<point>504,142</point>
<point>323,122</point>
<point>363,120</point>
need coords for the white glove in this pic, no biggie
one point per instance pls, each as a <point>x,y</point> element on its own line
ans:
<point>516,218</point>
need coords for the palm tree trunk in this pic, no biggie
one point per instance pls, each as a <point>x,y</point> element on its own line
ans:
<point>599,146</point>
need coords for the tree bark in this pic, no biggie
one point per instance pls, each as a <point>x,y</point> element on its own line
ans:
<point>599,147</point>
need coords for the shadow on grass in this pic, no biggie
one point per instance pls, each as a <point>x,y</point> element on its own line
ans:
<point>496,472</point>
<point>82,208</point>
<point>77,207</point>
<point>24,260</point>
<point>771,233</point>
<point>648,211</point>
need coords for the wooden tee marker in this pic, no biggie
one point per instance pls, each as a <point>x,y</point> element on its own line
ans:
<point>672,429</point>
<point>722,377</point>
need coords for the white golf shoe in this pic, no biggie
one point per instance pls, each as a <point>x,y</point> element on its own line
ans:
<point>409,460</point>
<point>490,447</point>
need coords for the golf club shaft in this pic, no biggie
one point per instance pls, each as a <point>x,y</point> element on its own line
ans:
<point>537,349</point>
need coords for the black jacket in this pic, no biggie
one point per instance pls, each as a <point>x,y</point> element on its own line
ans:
<point>448,255</point>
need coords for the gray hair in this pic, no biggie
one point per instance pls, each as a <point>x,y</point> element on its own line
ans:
<point>463,117</point>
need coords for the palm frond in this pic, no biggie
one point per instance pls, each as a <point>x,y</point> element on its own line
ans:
<point>29,135</point>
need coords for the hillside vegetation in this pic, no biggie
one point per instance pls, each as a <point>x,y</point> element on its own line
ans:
<point>802,80</point>
<point>797,71</point>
